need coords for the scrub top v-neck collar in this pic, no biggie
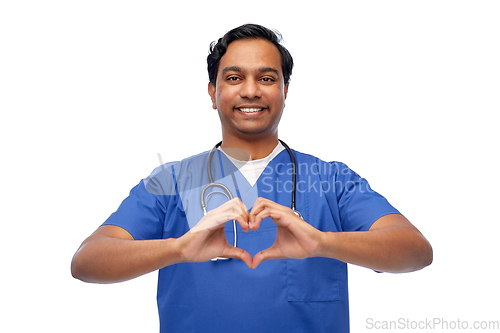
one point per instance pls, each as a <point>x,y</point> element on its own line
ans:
<point>252,169</point>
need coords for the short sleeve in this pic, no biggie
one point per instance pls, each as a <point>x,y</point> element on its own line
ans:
<point>359,205</point>
<point>143,212</point>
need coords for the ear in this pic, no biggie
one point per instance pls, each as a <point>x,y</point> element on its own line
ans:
<point>211,92</point>
<point>286,89</point>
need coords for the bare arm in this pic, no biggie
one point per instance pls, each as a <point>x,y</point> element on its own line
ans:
<point>111,254</point>
<point>392,244</point>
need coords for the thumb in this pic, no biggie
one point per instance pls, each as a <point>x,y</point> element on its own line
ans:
<point>237,253</point>
<point>270,253</point>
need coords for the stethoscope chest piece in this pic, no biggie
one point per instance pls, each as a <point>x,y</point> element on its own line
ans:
<point>296,212</point>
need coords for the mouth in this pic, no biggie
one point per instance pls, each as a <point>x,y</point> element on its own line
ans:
<point>250,110</point>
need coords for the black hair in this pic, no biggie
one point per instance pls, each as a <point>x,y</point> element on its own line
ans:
<point>248,31</point>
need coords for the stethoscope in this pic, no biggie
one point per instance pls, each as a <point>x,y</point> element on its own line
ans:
<point>229,195</point>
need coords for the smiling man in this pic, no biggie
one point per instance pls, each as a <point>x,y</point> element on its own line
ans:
<point>249,94</point>
<point>283,271</point>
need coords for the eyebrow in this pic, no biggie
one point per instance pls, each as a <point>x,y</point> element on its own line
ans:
<point>238,69</point>
<point>269,69</point>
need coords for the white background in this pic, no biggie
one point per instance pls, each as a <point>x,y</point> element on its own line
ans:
<point>404,92</point>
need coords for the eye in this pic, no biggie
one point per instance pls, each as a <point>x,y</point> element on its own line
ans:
<point>268,79</point>
<point>233,78</point>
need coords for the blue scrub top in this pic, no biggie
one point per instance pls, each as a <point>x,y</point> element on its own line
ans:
<point>281,295</point>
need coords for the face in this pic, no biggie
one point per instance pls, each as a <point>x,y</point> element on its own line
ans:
<point>250,92</point>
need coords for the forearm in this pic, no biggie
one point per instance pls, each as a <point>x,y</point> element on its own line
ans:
<point>105,259</point>
<point>393,249</point>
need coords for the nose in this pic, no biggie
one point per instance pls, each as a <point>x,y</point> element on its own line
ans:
<point>250,89</point>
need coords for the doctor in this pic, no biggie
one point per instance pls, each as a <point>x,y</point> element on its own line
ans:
<point>304,287</point>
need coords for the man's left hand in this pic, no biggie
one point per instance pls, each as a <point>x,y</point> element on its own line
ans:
<point>295,238</point>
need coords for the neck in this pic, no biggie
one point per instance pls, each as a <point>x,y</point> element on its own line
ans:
<point>257,149</point>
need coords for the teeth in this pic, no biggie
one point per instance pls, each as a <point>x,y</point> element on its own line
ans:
<point>250,109</point>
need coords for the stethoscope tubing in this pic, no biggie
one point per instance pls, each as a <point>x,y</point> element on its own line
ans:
<point>229,195</point>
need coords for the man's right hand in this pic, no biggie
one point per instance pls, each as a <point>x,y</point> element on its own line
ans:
<point>207,239</point>
<point>111,254</point>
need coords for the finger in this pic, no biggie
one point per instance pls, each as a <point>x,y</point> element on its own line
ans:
<point>218,217</point>
<point>212,222</point>
<point>243,222</point>
<point>243,217</point>
<point>270,253</point>
<point>237,253</point>
<point>275,213</point>
<point>260,204</point>
<point>242,205</point>
<point>254,219</point>
<point>257,214</point>
<point>281,215</point>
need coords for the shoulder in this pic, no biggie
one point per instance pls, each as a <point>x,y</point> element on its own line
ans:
<point>162,180</point>
<point>319,166</point>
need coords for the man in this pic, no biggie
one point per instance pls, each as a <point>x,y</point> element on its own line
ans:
<point>161,225</point>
